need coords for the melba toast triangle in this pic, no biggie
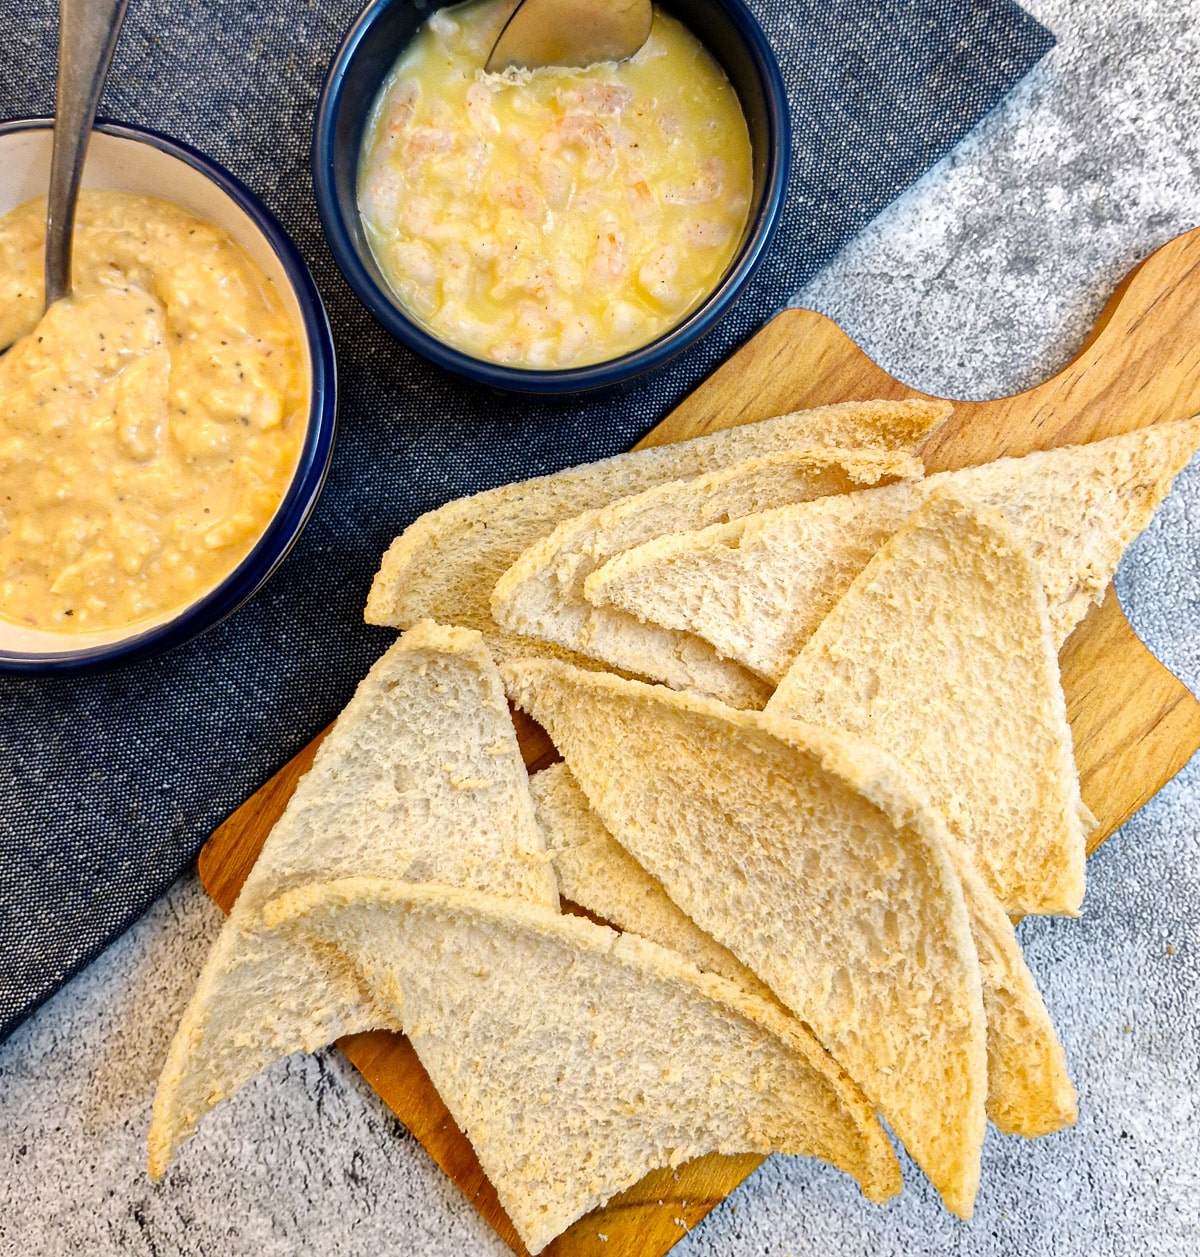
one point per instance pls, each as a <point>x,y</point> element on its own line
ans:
<point>597,873</point>
<point>941,652</point>
<point>541,595</point>
<point>420,778</point>
<point>1029,1090</point>
<point>806,854</point>
<point>757,588</point>
<point>575,1059</point>
<point>444,566</point>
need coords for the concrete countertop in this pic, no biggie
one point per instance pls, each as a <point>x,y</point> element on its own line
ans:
<point>984,278</point>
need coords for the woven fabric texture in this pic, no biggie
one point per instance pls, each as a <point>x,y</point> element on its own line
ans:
<point>110,784</point>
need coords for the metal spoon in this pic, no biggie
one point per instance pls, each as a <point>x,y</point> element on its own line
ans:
<point>571,33</point>
<point>87,36</point>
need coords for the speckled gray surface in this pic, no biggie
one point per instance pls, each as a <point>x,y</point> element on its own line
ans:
<point>981,280</point>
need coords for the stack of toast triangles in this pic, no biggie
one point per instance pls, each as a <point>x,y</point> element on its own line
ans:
<point>816,754</point>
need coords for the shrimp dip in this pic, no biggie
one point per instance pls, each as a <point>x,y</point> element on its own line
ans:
<point>557,217</point>
<point>152,421</point>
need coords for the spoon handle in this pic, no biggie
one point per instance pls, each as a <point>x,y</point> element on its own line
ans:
<point>87,36</point>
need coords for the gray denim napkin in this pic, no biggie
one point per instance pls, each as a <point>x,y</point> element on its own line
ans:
<point>110,784</point>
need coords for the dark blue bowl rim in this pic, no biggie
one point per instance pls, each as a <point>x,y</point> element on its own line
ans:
<point>309,478</point>
<point>574,379</point>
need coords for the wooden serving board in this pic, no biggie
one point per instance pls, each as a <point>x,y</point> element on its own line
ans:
<point>1134,724</point>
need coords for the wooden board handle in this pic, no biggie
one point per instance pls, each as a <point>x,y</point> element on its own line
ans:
<point>1140,365</point>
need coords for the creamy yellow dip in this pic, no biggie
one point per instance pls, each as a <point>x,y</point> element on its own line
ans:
<point>559,217</point>
<point>150,424</point>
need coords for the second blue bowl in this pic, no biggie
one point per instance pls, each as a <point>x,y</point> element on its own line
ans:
<point>730,32</point>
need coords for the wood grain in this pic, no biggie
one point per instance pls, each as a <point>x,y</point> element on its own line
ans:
<point>1133,723</point>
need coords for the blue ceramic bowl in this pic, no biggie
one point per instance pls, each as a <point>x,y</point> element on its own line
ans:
<point>131,159</point>
<point>366,56</point>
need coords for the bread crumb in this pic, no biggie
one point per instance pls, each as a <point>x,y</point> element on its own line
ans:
<point>1170,949</point>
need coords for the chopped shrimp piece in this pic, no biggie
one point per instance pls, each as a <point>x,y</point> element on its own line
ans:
<point>575,338</point>
<point>541,353</point>
<point>421,299</point>
<point>441,23</point>
<point>705,187</point>
<point>479,109</point>
<point>595,98</point>
<point>592,138</point>
<point>706,234</point>
<point>456,270</point>
<point>558,308</point>
<point>444,232</point>
<point>657,272</point>
<point>609,262</point>
<point>568,273</point>
<point>416,261</point>
<point>532,320</point>
<point>400,114</point>
<point>622,318</point>
<point>419,214</point>
<point>531,150</point>
<point>426,142</point>
<point>455,318</point>
<point>661,263</point>
<point>508,351</point>
<point>476,159</point>
<point>588,200</point>
<point>556,181</point>
<point>639,196</point>
<point>393,126</point>
<point>382,196</point>
<point>522,197</point>
<point>623,139</point>
<point>484,248</point>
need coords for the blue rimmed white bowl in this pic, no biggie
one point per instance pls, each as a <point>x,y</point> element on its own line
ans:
<point>726,27</point>
<point>131,159</point>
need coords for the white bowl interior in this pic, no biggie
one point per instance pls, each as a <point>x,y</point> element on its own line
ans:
<point>115,163</point>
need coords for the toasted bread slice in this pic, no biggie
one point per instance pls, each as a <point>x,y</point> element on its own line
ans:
<point>421,777</point>
<point>1029,1090</point>
<point>541,595</point>
<point>808,856</point>
<point>597,873</point>
<point>941,651</point>
<point>757,588</point>
<point>576,1059</point>
<point>445,565</point>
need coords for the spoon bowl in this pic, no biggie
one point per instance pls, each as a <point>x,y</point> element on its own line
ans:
<point>571,33</point>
